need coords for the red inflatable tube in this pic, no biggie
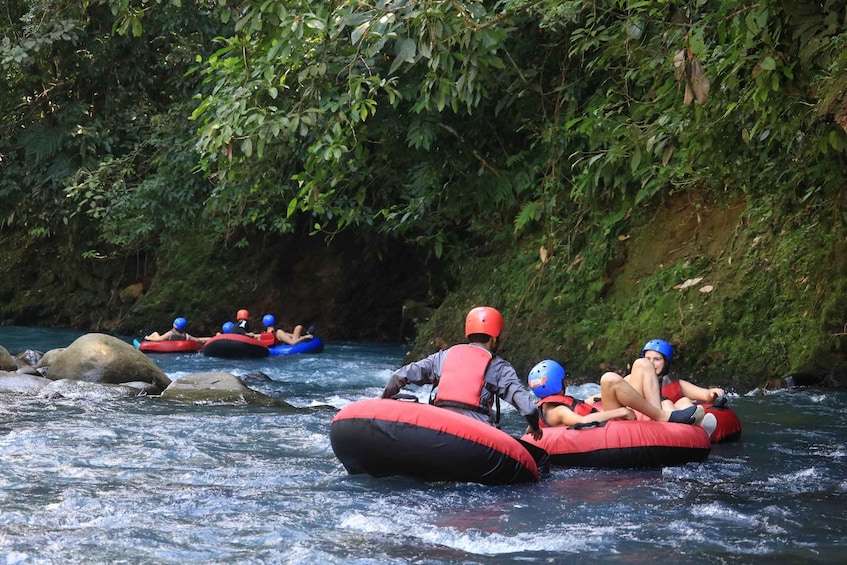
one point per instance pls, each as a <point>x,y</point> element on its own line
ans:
<point>169,346</point>
<point>383,437</point>
<point>729,426</point>
<point>620,444</point>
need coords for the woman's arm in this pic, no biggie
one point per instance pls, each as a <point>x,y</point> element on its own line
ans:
<point>156,337</point>
<point>695,392</point>
<point>561,415</point>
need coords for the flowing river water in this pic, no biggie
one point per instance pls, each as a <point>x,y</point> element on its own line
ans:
<point>142,480</point>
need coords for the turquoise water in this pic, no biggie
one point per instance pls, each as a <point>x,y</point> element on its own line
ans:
<point>141,480</point>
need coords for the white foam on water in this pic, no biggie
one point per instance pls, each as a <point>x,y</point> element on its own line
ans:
<point>576,538</point>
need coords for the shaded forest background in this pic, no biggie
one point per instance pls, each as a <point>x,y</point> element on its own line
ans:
<point>603,172</point>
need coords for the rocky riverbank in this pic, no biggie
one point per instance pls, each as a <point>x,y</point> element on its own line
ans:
<point>102,366</point>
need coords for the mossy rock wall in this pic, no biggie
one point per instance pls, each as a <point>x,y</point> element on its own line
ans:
<point>350,288</point>
<point>347,288</point>
<point>747,294</point>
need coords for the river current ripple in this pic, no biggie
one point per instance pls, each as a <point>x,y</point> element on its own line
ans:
<point>141,480</point>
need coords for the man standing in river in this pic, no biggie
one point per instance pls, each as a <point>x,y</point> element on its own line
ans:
<point>471,377</point>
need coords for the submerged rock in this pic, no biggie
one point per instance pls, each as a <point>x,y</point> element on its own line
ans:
<point>75,389</point>
<point>218,387</point>
<point>22,383</point>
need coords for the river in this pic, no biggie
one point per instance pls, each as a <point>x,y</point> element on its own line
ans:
<point>142,480</point>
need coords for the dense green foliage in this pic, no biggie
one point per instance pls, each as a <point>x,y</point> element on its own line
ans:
<point>407,117</point>
<point>513,112</point>
<point>452,125</point>
<point>94,124</point>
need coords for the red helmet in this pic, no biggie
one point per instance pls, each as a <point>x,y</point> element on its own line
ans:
<point>484,320</point>
<point>242,315</point>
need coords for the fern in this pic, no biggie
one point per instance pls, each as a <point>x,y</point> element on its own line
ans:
<point>530,212</point>
<point>41,142</point>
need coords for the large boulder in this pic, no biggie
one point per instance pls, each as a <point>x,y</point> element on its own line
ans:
<point>101,358</point>
<point>7,362</point>
<point>48,358</point>
<point>218,387</point>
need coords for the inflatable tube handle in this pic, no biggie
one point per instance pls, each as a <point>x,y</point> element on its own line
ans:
<point>587,425</point>
<point>405,397</point>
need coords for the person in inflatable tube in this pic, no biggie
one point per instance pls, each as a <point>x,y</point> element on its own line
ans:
<point>241,319</point>
<point>176,333</point>
<point>674,390</point>
<point>677,393</point>
<point>226,328</point>
<point>470,377</point>
<point>282,336</point>
<point>547,381</point>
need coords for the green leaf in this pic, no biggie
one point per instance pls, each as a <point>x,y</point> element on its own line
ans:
<point>359,32</point>
<point>405,49</point>
<point>315,23</point>
<point>530,212</point>
<point>768,63</point>
<point>635,160</point>
<point>136,27</point>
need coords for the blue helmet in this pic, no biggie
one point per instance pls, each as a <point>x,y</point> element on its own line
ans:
<point>227,327</point>
<point>661,346</point>
<point>546,378</point>
<point>268,320</point>
<point>180,323</point>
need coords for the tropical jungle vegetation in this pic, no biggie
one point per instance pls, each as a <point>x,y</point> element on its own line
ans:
<point>604,172</point>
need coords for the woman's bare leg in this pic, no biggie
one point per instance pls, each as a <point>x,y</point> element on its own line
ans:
<point>643,379</point>
<point>292,338</point>
<point>617,392</point>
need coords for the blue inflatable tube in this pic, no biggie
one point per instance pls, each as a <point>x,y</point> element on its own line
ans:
<point>314,345</point>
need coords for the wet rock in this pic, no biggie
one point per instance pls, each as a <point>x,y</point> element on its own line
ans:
<point>144,389</point>
<point>257,376</point>
<point>74,389</point>
<point>21,383</point>
<point>218,387</point>
<point>29,370</point>
<point>29,358</point>
<point>48,358</point>
<point>7,362</point>
<point>101,358</point>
